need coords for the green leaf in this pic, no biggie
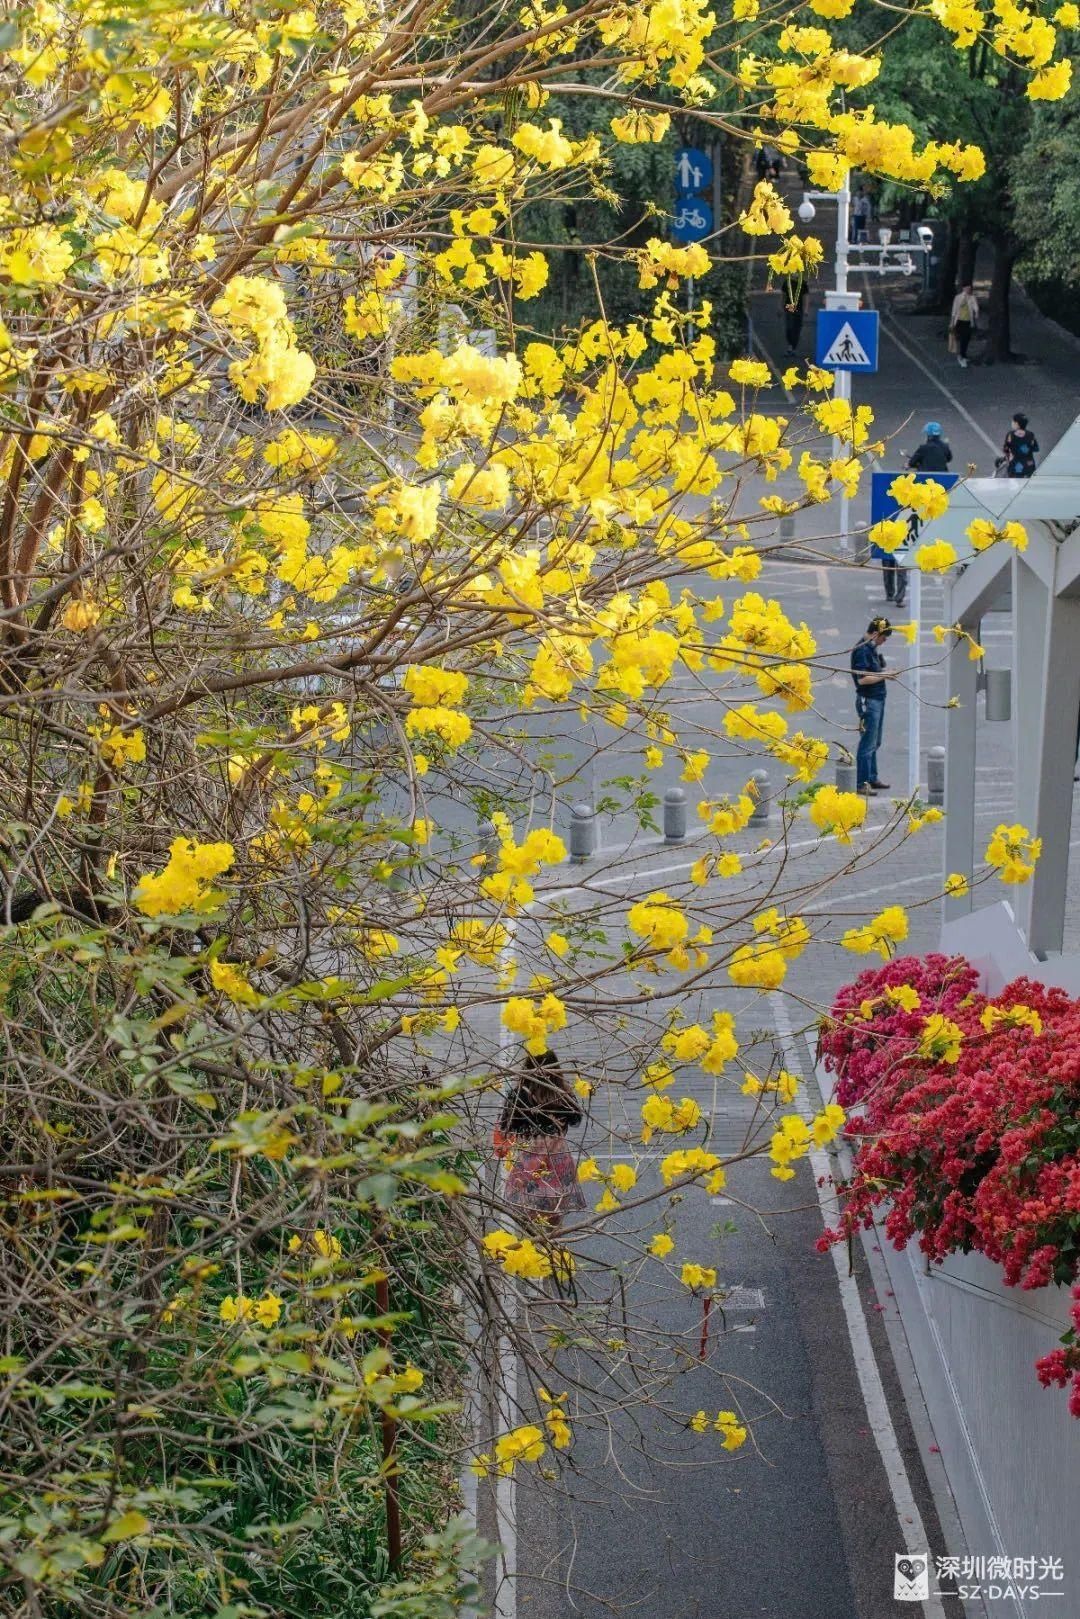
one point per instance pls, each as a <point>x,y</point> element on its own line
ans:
<point>126,1527</point>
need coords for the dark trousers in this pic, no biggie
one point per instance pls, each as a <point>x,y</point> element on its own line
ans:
<point>871,712</point>
<point>793,319</point>
<point>895,579</point>
<point>963,337</point>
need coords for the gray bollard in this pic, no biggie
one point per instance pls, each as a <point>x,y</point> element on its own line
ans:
<point>846,776</point>
<point>674,815</point>
<point>935,776</point>
<point>761,793</point>
<point>998,694</point>
<point>582,833</point>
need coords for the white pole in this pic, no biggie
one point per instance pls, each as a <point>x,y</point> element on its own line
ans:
<point>842,389</point>
<point>915,684</point>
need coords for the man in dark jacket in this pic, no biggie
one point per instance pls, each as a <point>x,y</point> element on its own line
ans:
<point>869,676</point>
<point>933,454</point>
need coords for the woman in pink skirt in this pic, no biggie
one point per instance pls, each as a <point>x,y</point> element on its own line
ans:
<point>542,1182</point>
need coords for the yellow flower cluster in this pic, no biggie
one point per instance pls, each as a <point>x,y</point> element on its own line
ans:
<point>698,1278</point>
<point>837,812</point>
<point>881,934</point>
<point>184,883</point>
<point>713,1048</point>
<point>534,1020</point>
<point>621,1178</point>
<point>239,1308</point>
<point>670,1118</point>
<point>1017,1016</point>
<point>763,964</point>
<point>982,534</point>
<point>1013,853</point>
<point>941,1039</point>
<point>520,1256</point>
<point>926,498</point>
<point>686,1162</point>
<point>725,1423</point>
<point>254,308</point>
<point>524,1444</point>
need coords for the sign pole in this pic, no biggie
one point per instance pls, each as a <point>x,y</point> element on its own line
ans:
<point>843,378</point>
<point>915,685</point>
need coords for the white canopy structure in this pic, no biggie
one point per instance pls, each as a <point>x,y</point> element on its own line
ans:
<point>1044,583</point>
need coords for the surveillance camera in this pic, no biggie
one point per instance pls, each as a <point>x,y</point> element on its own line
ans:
<point>807,210</point>
<point>926,235</point>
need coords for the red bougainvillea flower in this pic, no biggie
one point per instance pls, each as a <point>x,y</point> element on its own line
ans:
<point>968,1129</point>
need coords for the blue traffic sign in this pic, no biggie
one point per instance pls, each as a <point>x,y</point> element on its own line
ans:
<point>693,169</point>
<point>847,339</point>
<point>693,219</point>
<point>882,504</point>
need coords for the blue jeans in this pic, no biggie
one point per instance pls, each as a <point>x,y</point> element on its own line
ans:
<point>871,712</point>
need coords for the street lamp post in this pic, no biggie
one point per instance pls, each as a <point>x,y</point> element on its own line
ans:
<point>838,298</point>
<point>883,260</point>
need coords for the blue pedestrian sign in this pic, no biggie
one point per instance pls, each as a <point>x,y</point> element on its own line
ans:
<point>693,219</point>
<point>693,169</point>
<point>847,339</point>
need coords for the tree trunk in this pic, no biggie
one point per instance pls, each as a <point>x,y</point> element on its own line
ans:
<point>968,246</point>
<point>999,333</point>
<point>937,299</point>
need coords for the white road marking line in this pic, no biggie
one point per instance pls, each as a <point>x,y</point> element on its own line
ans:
<point>908,1516</point>
<point>506,1603</point>
<point>886,327</point>
<point>678,865</point>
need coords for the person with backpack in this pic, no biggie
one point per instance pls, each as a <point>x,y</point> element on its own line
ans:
<point>542,1183</point>
<point>1020,447</point>
<point>963,320</point>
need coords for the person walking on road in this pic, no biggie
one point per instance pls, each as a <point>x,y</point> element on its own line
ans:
<point>860,217</point>
<point>963,320</point>
<point>894,575</point>
<point>868,673</point>
<point>1021,447</point>
<point>793,319</point>
<point>932,455</point>
<point>542,1182</point>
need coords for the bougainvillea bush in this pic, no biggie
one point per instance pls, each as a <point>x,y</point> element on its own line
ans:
<point>968,1132</point>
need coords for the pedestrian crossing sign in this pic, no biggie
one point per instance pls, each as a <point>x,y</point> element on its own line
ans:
<point>847,339</point>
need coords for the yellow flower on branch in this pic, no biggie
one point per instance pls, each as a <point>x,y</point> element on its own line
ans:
<point>1013,853</point>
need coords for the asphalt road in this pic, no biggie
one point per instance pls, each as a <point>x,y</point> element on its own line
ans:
<point>646,1516</point>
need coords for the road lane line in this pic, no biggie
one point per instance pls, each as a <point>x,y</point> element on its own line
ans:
<point>908,1517</point>
<point>948,394</point>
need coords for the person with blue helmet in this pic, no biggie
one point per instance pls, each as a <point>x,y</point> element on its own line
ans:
<point>933,454</point>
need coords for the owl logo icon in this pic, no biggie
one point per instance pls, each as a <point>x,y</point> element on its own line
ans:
<point>911,1577</point>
